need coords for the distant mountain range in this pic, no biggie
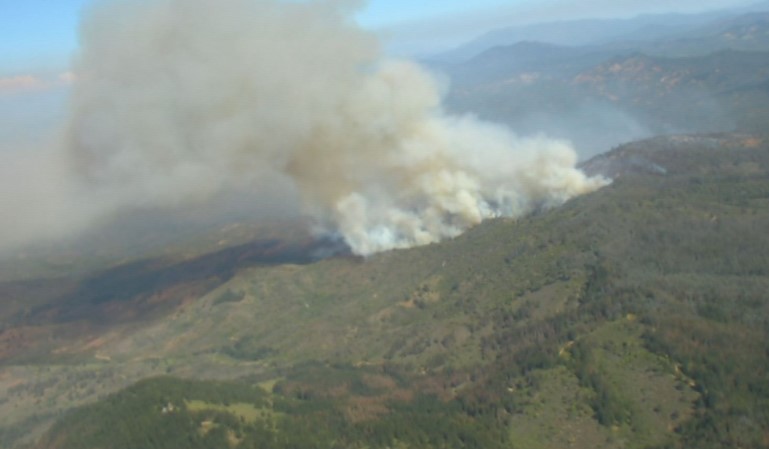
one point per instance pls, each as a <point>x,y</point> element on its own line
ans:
<point>645,28</point>
<point>711,77</point>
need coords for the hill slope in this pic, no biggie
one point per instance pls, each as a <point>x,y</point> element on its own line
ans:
<point>634,317</point>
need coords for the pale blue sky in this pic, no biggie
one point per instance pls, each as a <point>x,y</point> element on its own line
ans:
<point>41,34</point>
<point>383,13</point>
<point>38,36</point>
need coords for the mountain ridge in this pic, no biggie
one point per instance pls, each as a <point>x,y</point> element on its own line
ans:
<point>598,97</point>
<point>586,32</point>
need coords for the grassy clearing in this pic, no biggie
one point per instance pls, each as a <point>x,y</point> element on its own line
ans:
<point>607,392</point>
<point>555,415</point>
<point>247,412</point>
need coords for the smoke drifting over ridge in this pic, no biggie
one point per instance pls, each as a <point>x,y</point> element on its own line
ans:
<point>180,101</point>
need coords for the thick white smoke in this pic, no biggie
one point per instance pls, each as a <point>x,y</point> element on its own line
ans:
<point>179,100</point>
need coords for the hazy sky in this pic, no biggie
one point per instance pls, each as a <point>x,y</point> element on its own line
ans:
<point>39,35</point>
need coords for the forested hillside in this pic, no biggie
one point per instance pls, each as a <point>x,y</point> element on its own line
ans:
<point>633,317</point>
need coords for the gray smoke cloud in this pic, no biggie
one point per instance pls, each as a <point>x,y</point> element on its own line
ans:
<point>179,101</point>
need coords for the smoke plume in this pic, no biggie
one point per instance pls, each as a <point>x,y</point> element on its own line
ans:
<point>179,101</point>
